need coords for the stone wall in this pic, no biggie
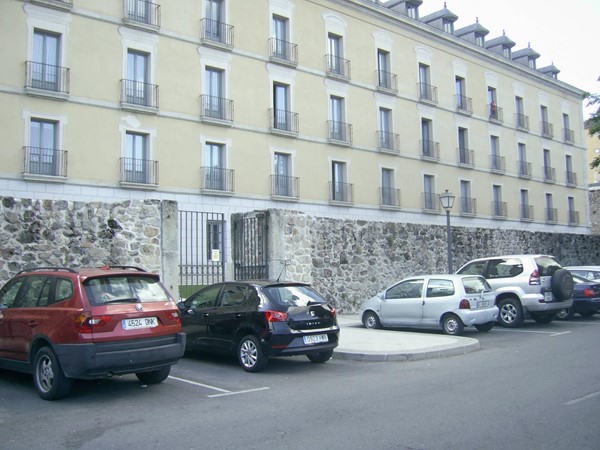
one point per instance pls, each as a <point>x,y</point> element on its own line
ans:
<point>348,261</point>
<point>37,233</point>
<point>594,197</point>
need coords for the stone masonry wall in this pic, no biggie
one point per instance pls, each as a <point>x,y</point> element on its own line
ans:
<point>76,234</point>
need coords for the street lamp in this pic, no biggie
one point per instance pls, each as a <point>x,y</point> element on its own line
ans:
<point>447,201</point>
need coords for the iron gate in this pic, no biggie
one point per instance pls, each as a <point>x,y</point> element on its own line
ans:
<point>201,250</point>
<point>250,246</point>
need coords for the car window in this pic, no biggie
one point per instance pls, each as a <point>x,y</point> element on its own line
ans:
<point>547,266</point>
<point>476,285</point>
<point>35,292</point>
<point>475,268</point>
<point>204,298</point>
<point>232,295</point>
<point>439,288</point>
<point>406,289</point>
<point>64,289</point>
<point>9,292</point>
<point>117,288</point>
<point>504,268</point>
<point>292,295</point>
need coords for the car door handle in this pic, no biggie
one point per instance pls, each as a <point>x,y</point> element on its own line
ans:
<point>206,315</point>
<point>32,324</point>
<point>238,316</point>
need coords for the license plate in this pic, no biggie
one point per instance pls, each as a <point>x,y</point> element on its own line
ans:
<point>315,339</point>
<point>547,297</point>
<point>142,322</point>
<point>481,305</point>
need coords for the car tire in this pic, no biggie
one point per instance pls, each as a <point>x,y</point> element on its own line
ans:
<point>510,313</point>
<point>48,376</point>
<point>371,321</point>
<point>155,376</point>
<point>250,354</point>
<point>565,314</point>
<point>562,284</point>
<point>452,325</point>
<point>484,327</point>
<point>544,318</point>
<point>320,357</point>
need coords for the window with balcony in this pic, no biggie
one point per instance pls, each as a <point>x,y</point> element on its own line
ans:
<point>545,126</point>
<point>573,214</point>
<point>430,200</point>
<point>387,140</point>
<point>386,80</point>
<point>44,72</point>
<point>136,166</point>
<point>340,132</point>
<point>340,189</point>
<point>283,184</point>
<point>467,202</point>
<point>497,163</point>
<point>494,111</point>
<point>429,149</point>
<point>521,120</point>
<point>281,49</point>
<point>337,65</point>
<point>571,176</point>
<point>142,12</point>
<point>463,103</point>
<point>523,167</point>
<point>390,196</point>
<point>427,92</point>
<point>43,156</point>
<point>282,119</point>
<point>526,208</point>
<point>498,206</point>
<point>548,170</point>
<point>215,32</point>
<point>215,176</point>
<point>465,155</point>
<point>215,107</point>
<point>137,91</point>
<point>568,134</point>
<point>551,212</point>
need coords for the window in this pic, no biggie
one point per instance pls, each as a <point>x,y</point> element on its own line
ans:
<point>385,78</point>
<point>571,176</point>
<point>281,178</point>
<point>498,207</point>
<point>43,156</point>
<point>440,288</point>
<point>136,164</point>
<point>406,289</point>
<point>281,113</point>
<point>526,208</point>
<point>506,51</point>
<point>143,11</point>
<point>494,111</point>
<point>336,64</point>
<point>464,154</point>
<point>462,102</point>
<point>214,239</point>
<point>496,161</point>
<point>205,298</point>
<point>338,129</point>
<point>467,205</point>
<point>386,136</point>
<point>521,118</point>
<point>214,175</point>
<point>425,88</point>
<point>281,37</point>
<point>523,166</point>
<point>45,70</point>
<point>549,173</point>
<point>214,105</point>
<point>388,191</point>
<point>546,127</point>
<point>573,215</point>
<point>412,11</point>
<point>214,16</point>
<point>448,26</point>
<point>137,88</point>
<point>340,187</point>
<point>568,135</point>
<point>429,197</point>
<point>480,39</point>
<point>551,215</point>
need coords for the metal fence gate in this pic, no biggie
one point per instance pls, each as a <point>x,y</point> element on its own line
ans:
<point>201,250</point>
<point>250,246</point>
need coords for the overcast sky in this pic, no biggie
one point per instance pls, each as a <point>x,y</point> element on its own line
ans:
<point>563,33</point>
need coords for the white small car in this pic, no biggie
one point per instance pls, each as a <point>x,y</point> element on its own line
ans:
<point>451,302</point>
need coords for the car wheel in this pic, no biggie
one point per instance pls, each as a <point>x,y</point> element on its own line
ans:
<point>510,313</point>
<point>250,354</point>
<point>48,377</point>
<point>370,320</point>
<point>544,318</point>
<point>452,325</point>
<point>320,357</point>
<point>565,314</point>
<point>562,284</point>
<point>155,376</point>
<point>485,327</point>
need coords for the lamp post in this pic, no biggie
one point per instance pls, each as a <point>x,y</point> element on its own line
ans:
<point>447,201</point>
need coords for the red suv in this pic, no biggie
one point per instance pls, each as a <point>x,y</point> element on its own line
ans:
<point>60,324</point>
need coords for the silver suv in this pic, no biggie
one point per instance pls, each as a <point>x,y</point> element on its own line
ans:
<point>526,286</point>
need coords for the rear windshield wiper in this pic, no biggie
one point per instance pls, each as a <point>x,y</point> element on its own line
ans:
<point>124,300</point>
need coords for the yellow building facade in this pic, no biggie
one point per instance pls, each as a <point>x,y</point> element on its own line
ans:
<point>343,108</point>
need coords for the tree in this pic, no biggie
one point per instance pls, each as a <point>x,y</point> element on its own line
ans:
<point>594,124</point>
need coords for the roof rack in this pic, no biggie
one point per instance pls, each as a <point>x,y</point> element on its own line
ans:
<point>117,266</point>
<point>48,269</point>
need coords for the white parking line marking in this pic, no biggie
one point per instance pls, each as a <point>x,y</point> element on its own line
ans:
<point>580,399</point>
<point>239,392</point>
<point>560,334</point>
<point>523,331</point>
<point>183,380</point>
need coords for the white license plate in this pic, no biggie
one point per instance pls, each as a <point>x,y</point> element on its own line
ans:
<point>481,305</point>
<point>142,322</point>
<point>315,339</point>
<point>547,297</point>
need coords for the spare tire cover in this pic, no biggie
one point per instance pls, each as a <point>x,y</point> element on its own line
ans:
<point>562,284</point>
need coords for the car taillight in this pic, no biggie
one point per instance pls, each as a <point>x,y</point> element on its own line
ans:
<point>333,312</point>
<point>464,304</point>
<point>589,292</point>
<point>276,316</point>
<point>534,278</point>
<point>177,317</point>
<point>85,323</point>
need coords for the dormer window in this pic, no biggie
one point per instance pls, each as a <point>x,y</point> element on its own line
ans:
<point>531,63</point>
<point>412,11</point>
<point>448,26</point>
<point>506,52</point>
<point>480,40</point>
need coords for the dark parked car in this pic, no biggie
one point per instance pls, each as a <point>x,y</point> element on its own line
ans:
<point>586,299</point>
<point>60,324</point>
<point>257,320</point>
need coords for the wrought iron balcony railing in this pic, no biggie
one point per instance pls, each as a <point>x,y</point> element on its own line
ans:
<point>216,109</point>
<point>341,192</point>
<point>427,92</point>
<point>389,197</point>
<point>495,113</point>
<point>526,212</point>
<point>339,132</point>
<point>216,179</point>
<point>466,157</point>
<point>386,81</point>
<point>283,121</point>
<point>430,202</point>
<point>283,52</point>
<point>522,121</point>
<point>141,12</point>
<point>337,67</point>
<point>549,174</point>
<point>551,215</point>
<point>497,164</point>
<point>138,94</point>
<point>573,217</point>
<point>571,178</point>
<point>388,142</point>
<point>430,150</point>
<point>44,161</point>
<point>285,186</point>
<point>499,210</point>
<point>524,169</point>
<point>464,105</point>
<point>568,136</point>
<point>46,77</point>
<point>216,34</point>
<point>547,129</point>
<point>139,171</point>
<point>468,206</point>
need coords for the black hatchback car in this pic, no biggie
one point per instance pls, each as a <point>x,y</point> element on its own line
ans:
<point>259,319</point>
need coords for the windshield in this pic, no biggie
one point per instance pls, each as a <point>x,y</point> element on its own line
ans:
<point>476,285</point>
<point>125,288</point>
<point>292,295</point>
